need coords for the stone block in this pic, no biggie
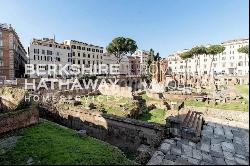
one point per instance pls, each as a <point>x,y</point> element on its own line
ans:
<point>205,147</point>
<point>229,147</point>
<point>207,157</point>
<point>193,161</point>
<point>187,150</point>
<point>156,159</point>
<point>241,161</point>
<point>220,161</point>
<point>197,154</point>
<point>165,147</point>
<point>82,133</point>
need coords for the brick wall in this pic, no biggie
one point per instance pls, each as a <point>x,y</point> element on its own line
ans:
<point>18,119</point>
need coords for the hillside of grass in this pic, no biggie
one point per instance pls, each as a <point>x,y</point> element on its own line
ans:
<point>48,143</point>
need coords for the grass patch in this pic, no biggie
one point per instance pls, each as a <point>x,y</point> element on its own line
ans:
<point>155,115</point>
<point>47,143</point>
<point>244,89</point>
<point>236,106</point>
<point>119,106</point>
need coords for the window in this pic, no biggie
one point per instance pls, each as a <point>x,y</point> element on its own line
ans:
<point>88,49</point>
<point>88,55</point>
<point>93,50</point>
<point>1,53</point>
<point>84,55</point>
<point>43,52</point>
<point>34,57</point>
<point>36,51</point>
<point>79,54</point>
<point>101,51</point>
<point>73,61</point>
<point>74,54</point>
<point>79,62</point>
<point>49,52</point>
<point>224,64</point>
<point>231,64</point>
<point>97,50</point>
<point>1,43</point>
<point>1,63</point>
<point>69,55</point>
<point>215,64</point>
<point>223,58</point>
<point>73,47</point>
<point>205,60</point>
<point>83,62</point>
<point>83,48</point>
<point>240,64</point>
<point>79,48</point>
<point>240,57</point>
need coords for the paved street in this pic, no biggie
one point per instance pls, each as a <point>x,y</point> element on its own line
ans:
<point>220,145</point>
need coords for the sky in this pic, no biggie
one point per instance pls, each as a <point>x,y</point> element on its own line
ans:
<point>166,26</point>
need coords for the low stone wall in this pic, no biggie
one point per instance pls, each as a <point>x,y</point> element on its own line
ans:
<point>18,119</point>
<point>122,132</point>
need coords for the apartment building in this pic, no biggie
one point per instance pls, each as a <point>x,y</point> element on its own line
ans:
<point>123,66</point>
<point>44,52</point>
<point>230,62</point>
<point>12,54</point>
<point>142,56</point>
<point>85,54</point>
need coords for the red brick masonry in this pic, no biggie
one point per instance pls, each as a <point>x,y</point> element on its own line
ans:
<point>19,119</point>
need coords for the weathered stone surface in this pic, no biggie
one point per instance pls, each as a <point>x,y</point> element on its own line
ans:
<point>229,147</point>
<point>170,157</point>
<point>228,155</point>
<point>216,150</point>
<point>156,159</point>
<point>230,162</point>
<point>228,134</point>
<point>169,141</point>
<point>240,149</point>
<point>187,150</point>
<point>193,161</point>
<point>205,147</point>
<point>165,147</point>
<point>207,157</point>
<point>220,161</point>
<point>241,161</point>
<point>175,151</point>
<point>167,162</point>
<point>218,131</point>
<point>197,154</point>
<point>181,161</point>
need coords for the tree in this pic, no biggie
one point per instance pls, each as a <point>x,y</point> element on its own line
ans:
<point>196,52</point>
<point>212,51</point>
<point>157,57</point>
<point>121,46</point>
<point>244,49</point>
<point>185,56</point>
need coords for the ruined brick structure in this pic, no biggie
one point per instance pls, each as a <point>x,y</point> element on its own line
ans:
<point>18,119</point>
<point>122,132</point>
<point>159,70</point>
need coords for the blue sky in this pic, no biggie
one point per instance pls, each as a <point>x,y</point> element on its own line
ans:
<point>164,25</point>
